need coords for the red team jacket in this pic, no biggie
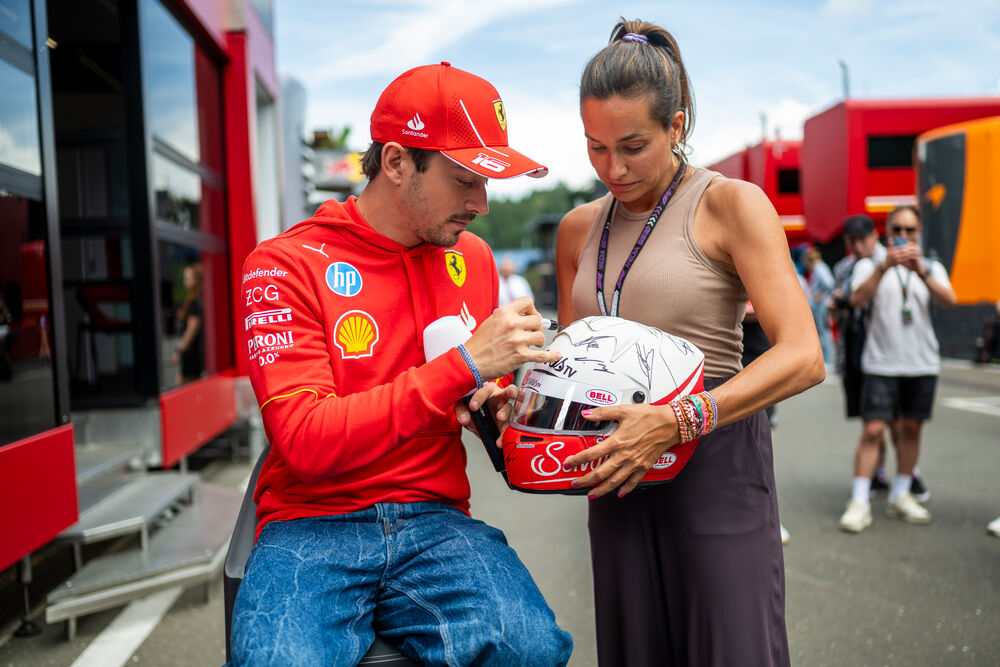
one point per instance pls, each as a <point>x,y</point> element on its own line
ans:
<point>333,318</point>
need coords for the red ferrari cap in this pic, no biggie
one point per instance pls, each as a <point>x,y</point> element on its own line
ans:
<point>442,108</point>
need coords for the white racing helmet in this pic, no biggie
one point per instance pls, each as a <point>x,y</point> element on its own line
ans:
<point>605,361</point>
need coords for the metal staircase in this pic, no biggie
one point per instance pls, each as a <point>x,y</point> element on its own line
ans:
<point>182,524</point>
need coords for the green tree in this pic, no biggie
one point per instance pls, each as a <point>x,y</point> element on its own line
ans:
<point>503,227</point>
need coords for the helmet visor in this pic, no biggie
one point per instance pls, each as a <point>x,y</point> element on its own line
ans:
<point>550,404</point>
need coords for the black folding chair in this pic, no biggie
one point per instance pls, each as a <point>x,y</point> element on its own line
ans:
<point>241,543</point>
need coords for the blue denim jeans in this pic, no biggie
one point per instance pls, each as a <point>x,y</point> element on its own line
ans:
<point>445,588</point>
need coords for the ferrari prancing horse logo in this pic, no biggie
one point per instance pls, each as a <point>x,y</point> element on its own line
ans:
<point>501,114</point>
<point>455,264</point>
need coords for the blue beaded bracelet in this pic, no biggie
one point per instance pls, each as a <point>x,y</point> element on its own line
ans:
<point>472,366</point>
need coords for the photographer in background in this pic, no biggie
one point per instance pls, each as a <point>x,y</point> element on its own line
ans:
<point>901,361</point>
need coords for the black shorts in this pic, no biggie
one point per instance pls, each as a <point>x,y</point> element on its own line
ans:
<point>853,380</point>
<point>885,398</point>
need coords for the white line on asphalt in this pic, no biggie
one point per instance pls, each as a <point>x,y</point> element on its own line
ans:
<point>116,644</point>
<point>985,405</point>
<point>246,482</point>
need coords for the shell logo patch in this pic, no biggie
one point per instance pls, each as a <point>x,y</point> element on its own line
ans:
<point>455,264</point>
<point>356,333</point>
<point>501,114</point>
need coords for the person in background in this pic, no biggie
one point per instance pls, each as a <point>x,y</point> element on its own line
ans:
<point>901,362</point>
<point>512,285</point>
<point>690,572</point>
<point>860,242</point>
<point>190,352</point>
<point>363,500</point>
<point>820,285</point>
<point>988,344</point>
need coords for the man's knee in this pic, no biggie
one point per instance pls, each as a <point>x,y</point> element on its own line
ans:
<point>519,641</point>
<point>259,646</point>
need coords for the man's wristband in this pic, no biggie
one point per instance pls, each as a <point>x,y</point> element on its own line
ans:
<point>472,366</point>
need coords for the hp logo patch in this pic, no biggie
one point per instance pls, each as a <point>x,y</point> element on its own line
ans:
<point>343,279</point>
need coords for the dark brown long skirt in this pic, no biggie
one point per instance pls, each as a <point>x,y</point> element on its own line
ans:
<point>691,572</point>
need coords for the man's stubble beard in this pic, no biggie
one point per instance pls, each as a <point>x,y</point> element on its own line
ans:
<point>415,202</point>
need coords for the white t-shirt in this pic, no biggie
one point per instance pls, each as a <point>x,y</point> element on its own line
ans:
<point>891,347</point>
<point>513,287</point>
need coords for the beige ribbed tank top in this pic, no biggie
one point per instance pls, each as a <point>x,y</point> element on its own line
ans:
<point>673,285</point>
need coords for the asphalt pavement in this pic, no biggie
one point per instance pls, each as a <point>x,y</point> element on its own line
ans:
<point>896,594</point>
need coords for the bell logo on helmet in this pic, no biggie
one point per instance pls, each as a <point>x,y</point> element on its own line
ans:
<point>601,397</point>
<point>665,461</point>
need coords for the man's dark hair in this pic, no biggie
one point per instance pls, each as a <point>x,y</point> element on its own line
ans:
<point>371,161</point>
<point>905,207</point>
<point>858,225</point>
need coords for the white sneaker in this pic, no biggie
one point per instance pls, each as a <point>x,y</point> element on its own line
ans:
<point>856,517</point>
<point>994,527</point>
<point>907,508</point>
<point>785,535</point>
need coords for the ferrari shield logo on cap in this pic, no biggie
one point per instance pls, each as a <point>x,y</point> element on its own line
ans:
<point>455,264</point>
<point>501,114</point>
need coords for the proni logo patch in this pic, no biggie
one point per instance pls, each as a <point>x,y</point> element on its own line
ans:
<point>265,343</point>
<point>455,264</point>
<point>356,333</point>
<point>343,279</point>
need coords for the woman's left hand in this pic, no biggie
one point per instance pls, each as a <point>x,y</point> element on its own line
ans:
<point>644,432</point>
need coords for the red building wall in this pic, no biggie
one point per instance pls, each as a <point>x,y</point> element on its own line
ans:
<point>836,178</point>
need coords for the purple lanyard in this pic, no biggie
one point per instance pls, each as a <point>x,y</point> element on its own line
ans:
<point>602,254</point>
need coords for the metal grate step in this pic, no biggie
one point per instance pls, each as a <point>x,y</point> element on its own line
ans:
<point>190,549</point>
<point>103,469</point>
<point>130,509</point>
<point>92,461</point>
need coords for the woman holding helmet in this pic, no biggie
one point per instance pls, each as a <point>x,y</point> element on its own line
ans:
<point>691,571</point>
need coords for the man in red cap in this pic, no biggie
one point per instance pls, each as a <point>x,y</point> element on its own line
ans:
<point>363,501</point>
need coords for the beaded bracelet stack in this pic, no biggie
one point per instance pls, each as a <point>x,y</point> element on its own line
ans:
<point>697,415</point>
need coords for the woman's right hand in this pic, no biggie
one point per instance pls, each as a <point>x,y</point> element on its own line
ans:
<point>644,433</point>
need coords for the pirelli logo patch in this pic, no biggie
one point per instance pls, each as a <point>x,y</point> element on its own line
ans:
<point>268,317</point>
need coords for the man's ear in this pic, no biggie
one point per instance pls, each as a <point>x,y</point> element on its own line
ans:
<point>394,158</point>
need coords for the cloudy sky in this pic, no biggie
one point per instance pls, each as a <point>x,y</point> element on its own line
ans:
<point>779,58</point>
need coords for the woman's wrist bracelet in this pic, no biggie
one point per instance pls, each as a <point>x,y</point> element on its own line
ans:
<point>472,366</point>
